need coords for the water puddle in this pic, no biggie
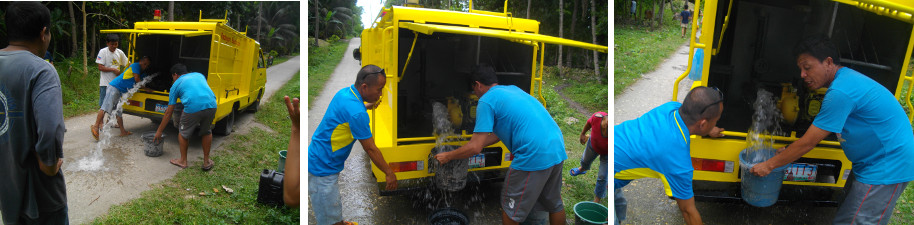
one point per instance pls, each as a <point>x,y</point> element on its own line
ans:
<point>95,161</point>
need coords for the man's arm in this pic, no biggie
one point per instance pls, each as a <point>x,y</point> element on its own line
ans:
<point>473,147</point>
<point>49,125</point>
<point>583,137</point>
<point>689,212</point>
<point>107,69</point>
<point>291,181</point>
<point>165,119</point>
<point>792,152</point>
<point>375,155</point>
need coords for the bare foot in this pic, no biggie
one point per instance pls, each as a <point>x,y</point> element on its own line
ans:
<point>125,134</point>
<point>177,162</point>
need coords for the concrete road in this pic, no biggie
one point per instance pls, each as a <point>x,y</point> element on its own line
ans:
<point>126,171</point>
<point>647,204</point>
<point>361,202</point>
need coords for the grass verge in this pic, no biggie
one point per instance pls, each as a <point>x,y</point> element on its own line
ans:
<point>177,200</point>
<point>581,86</point>
<point>282,59</point>
<point>638,50</point>
<point>578,188</point>
<point>80,90</point>
<point>321,62</point>
<point>904,208</point>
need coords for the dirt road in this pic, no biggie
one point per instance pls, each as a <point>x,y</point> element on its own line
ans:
<point>647,204</point>
<point>127,171</point>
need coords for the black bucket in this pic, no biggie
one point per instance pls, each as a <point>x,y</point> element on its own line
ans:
<point>153,148</point>
<point>448,216</point>
<point>451,176</point>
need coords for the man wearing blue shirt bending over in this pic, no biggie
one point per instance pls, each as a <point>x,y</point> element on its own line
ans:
<point>534,180</point>
<point>871,125</point>
<point>656,145</point>
<point>345,121</point>
<point>199,111</point>
<point>120,85</point>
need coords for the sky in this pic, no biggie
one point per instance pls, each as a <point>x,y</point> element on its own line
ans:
<point>370,9</point>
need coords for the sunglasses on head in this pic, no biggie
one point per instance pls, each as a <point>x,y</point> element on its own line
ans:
<point>721,94</point>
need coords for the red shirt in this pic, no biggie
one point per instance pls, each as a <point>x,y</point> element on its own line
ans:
<point>598,140</point>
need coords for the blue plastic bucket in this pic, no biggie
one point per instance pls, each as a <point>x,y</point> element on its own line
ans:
<point>760,191</point>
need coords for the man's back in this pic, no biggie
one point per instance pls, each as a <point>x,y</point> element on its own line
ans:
<point>523,125</point>
<point>194,92</point>
<point>31,124</point>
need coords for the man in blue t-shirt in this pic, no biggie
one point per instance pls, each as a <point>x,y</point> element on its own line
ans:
<point>871,126</point>
<point>199,103</point>
<point>529,132</point>
<point>656,145</point>
<point>345,121</point>
<point>120,85</point>
<point>685,18</point>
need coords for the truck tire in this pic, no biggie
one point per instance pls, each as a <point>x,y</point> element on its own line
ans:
<point>224,126</point>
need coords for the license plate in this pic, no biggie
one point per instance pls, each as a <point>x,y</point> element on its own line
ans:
<point>478,161</point>
<point>801,172</point>
<point>161,108</point>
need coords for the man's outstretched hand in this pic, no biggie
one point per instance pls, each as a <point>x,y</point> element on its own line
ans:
<point>294,111</point>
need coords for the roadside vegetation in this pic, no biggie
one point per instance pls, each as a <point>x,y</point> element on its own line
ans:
<point>196,197</point>
<point>588,92</point>
<point>638,50</point>
<point>80,90</point>
<point>321,63</point>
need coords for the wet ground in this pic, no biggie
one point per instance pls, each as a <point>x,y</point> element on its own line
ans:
<point>361,202</point>
<point>647,204</point>
<point>127,171</point>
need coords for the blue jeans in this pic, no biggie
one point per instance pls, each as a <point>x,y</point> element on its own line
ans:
<point>621,206</point>
<point>101,95</point>
<point>586,159</point>
<point>324,193</point>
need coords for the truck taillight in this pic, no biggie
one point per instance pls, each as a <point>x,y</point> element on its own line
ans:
<point>135,103</point>
<point>509,157</point>
<point>712,165</point>
<point>406,166</point>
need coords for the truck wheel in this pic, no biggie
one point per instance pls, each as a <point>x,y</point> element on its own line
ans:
<point>254,107</point>
<point>224,126</point>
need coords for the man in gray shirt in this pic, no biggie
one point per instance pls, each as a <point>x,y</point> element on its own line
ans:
<point>32,187</point>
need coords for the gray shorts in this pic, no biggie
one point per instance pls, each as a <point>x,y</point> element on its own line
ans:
<point>526,191</point>
<point>869,204</point>
<point>112,97</point>
<point>202,119</point>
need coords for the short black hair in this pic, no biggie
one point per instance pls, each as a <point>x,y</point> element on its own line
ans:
<point>368,75</point>
<point>179,69</point>
<point>485,75</point>
<point>818,47</point>
<point>113,38</point>
<point>24,20</point>
<point>701,103</point>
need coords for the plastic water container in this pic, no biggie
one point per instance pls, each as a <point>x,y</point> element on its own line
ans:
<point>590,213</point>
<point>153,148</point>
<point>282,162</point>
<point>760,191</point>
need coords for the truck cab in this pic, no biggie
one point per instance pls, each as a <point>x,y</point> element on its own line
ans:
<point>747,46</point>
<point>233,64</point>
<point>428,56</point>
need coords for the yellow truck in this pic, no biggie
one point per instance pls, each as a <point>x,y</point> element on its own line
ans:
<point>232,63</point>
<point>428,56</point>
<point>747,45</point>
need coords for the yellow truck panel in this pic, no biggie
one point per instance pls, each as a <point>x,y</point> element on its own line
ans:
<point>232,63</point>
<point>428,55</point>
<point>748,45</point>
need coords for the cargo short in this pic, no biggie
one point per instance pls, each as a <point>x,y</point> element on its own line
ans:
<point>869,204</point>
<point>202,119</point>
<point>112,98</point>
<point>528,191</point>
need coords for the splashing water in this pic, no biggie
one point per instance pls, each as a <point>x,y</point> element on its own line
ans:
<point>95,160</point>
<point>765,122</point>
<point>450,176</point>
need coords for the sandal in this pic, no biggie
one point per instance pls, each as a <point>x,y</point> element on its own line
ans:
<point>576,171</point>
<point>208,167</point>
<point>94,132</point>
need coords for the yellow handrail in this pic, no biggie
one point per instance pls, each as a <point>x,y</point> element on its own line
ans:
<point>410,56</point>
<point>778,138</point>
<point>723,29</point>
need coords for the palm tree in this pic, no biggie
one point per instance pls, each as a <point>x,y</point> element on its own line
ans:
<point>277,20</point>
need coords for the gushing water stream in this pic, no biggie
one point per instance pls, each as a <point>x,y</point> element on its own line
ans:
<point>95,160</point>
<point>765,122</point>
